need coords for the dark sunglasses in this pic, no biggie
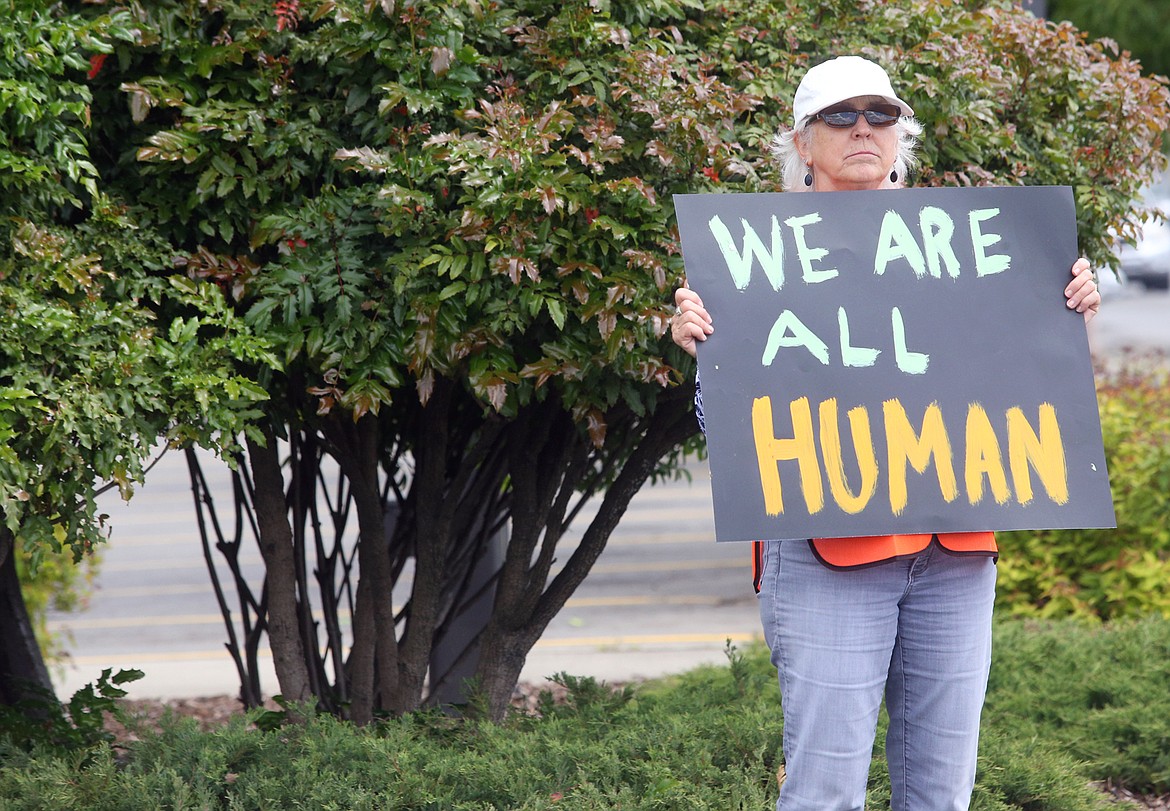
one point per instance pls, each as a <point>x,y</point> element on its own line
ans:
<point>879,115</point>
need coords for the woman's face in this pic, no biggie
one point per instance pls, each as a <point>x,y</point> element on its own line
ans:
<point>849,158</point>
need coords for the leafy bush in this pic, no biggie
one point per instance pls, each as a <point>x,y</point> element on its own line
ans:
<point>1140,26</point>
<point>1097,693</point>
<point>1068,704</point>
<point>78,726</point>
<point>88,378</point>
<point>58,584</point>
<point>1107,573</point>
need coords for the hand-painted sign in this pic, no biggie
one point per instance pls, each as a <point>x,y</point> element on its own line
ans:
<point>893,362</point>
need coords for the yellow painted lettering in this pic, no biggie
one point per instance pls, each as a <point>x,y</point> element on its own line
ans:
<point>770,450</point>
<point>904,445</point>
<point>983,458</point>
<point>1044,453</point>
<point>846,499</point>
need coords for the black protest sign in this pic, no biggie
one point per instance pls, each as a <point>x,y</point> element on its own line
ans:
<point>890,362</point>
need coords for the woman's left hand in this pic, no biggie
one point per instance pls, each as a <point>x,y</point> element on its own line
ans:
<point>1082,293</point>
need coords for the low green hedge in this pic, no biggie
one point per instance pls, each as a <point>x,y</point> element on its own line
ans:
<point>1107,573</point>
<point>1068,704</point>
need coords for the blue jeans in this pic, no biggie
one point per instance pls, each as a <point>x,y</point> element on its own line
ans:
<point>917,629</point>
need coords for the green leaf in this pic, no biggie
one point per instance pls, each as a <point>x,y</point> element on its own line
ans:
<point>556,310</point>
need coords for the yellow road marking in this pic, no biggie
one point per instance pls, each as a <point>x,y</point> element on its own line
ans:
<point>256,560</point>
<point>620,601</point>
<point>135,659</point>
<point>158,621</point>
<point>124,592</point>
<point>79,623</point>
<point>601,642</point>
<point>645,639</point>
<point>671,566</point>
<point>589,602</point>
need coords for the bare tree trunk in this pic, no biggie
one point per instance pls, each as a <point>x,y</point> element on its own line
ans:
<point>434,505</point>
<point>276,546</point>
<point>501,659</point>
<point>22,668</point>
<point>360,663</point>
<point>470,476</point>
<point>526,601</point>
<point>374,660</point>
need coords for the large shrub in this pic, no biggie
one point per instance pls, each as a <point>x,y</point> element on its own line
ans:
<point>1107,573</point>
<point>89,378</point>
<point>453,222</point>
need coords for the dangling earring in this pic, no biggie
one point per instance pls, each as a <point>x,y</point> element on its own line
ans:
<point>808,178</point>
<point>893,175</point>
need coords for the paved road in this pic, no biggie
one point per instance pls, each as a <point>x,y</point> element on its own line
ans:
<point>662,598</point>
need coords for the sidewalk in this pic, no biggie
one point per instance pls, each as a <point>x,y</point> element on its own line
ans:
<point>633,659</point>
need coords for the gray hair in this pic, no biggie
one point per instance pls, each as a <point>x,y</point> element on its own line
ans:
<point>793,168</point>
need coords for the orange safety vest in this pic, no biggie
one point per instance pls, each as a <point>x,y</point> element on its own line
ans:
<point>852,553</point>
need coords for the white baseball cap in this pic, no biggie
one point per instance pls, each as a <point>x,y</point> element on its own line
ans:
<point>844,77</point>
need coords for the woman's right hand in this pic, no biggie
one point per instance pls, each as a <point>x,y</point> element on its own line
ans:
<point>691,321</point>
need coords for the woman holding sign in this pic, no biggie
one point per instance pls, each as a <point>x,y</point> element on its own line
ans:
<point>849,620</point>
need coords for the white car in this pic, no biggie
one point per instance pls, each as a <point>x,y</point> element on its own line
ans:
<point>1148,263</point>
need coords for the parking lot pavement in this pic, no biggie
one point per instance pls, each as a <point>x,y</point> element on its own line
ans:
<point>1132,318</point>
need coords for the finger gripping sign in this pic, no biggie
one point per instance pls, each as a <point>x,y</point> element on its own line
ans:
<point>892,362</point>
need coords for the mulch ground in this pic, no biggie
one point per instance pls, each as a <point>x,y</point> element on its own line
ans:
<point>214,711</point>
<point>1120,793</point>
